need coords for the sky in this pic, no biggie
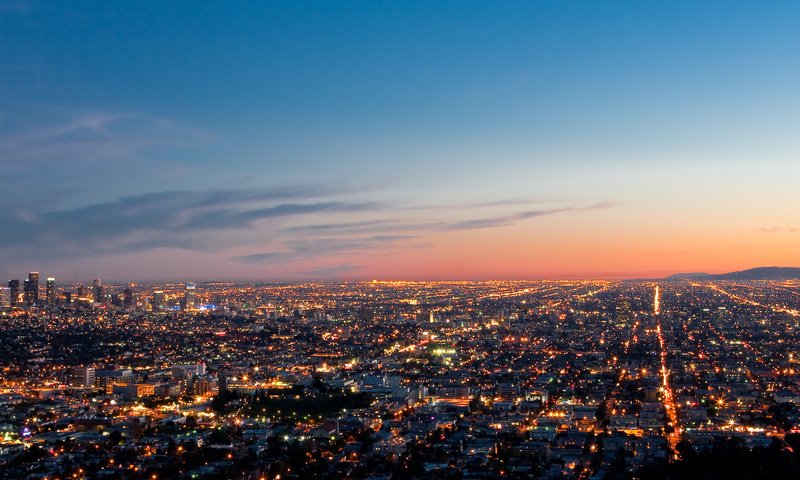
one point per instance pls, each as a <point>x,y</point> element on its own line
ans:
<point>344,140</point>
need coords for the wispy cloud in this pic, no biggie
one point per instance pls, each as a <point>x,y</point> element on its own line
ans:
<point>512,202</point>
<point>230,218</point>
<point>297,249</point>
<point>503,202</point>
<point>348,226</point>
<point>438,225</point>
<point>299,225</point>
<point>350,239</point>
<point>504,220</point>
<point>171,218</point>
<point>333,271</point>
<point>89,136</point>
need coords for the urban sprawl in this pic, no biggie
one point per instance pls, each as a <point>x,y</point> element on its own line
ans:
<point>394,380</point>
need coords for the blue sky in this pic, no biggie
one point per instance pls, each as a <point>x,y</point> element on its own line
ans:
<point>171,139</point>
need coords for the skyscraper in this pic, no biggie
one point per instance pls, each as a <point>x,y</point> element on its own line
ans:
<point>127,298</point>
<point>13,292</point>
<point>189,298</point>
<point>158,299</point>
<point>98,290</point>
<point>32,289</point>
<point>51,291</point>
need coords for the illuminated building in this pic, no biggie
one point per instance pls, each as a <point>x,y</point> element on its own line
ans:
<point>50,291</point>
<point>184,374</point>
<point>127,298</point>
<point>98,290</point>
<point>13,292</point>
<point>182,371</point>
<point>205,386</point>
<point>164,390</point>
<point>31,288</point>
<point>83,376</point>
<point>190,298</point>
<point>104,378</point>
<point>158,299</point>
<point>134,390</point>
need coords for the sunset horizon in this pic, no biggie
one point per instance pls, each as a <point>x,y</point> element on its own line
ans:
<point>294,141</point>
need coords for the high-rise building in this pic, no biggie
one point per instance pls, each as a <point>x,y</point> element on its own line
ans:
<point>190,297</point>
<point>13,292</point>
<point>127,298</point>
<point>158,300</point>
<point>51,291</point>
<point>98,290</point>
<point>83,376</point>
<point>31,288</point>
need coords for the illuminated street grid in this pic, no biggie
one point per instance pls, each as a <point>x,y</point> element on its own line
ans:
<point>393,379</point>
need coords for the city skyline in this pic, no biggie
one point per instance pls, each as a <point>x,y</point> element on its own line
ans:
<point>689,378</point>
<point>772,273</point>
<point>352,140</point>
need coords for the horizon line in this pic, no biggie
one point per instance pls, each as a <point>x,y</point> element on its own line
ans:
<point>418,280</point>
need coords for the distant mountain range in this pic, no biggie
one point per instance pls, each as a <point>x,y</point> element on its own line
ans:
<point>760,273</point>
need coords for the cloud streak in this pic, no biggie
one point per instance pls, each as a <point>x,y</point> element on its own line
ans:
<point>77,138</point>
<point>280,225</point>
<point>356,245</point>
<point>298,249</point>
<point>507,220</point>
<point>165,219</point>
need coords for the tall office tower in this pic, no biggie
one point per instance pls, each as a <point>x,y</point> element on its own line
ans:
<point>190,298</point>
<point>83,376</point>
<point>127,298</point>
<point>51,291</point>
<point>31,288</point>
<point>13,292</point>
<point>158,300</point>
<point>98,290</point>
